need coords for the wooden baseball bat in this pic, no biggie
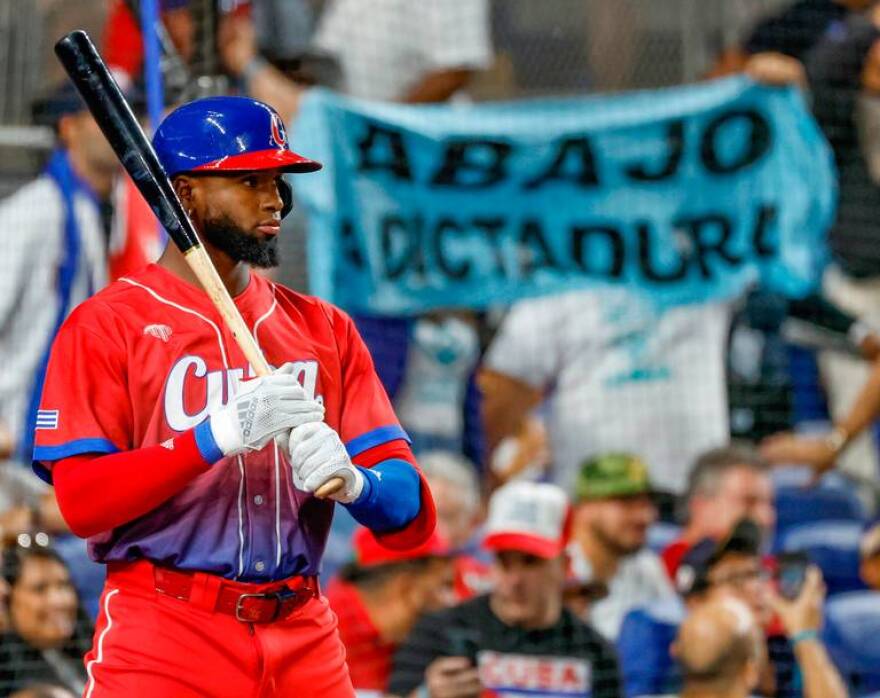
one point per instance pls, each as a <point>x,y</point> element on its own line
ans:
<point>113,114</point>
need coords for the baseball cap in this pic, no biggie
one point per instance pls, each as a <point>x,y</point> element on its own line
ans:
<point>528,517</point>
<point>692,576</point>
<point>612,475</point>
<point>64,99</point>
<point>369,552</point>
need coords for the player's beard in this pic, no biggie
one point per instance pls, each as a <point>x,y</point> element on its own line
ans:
<point>223,234</point>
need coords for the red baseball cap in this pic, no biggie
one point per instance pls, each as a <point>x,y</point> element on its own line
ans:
<point>369,552</point>
<point>528,517</point>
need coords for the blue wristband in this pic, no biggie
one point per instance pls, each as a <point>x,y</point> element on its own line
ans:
<point>205,442</point>
<point>804,636</point>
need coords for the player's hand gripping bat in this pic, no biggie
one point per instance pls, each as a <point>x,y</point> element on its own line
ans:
<point>113,114</point>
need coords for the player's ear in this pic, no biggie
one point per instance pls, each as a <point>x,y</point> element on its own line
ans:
<point>183,186</point>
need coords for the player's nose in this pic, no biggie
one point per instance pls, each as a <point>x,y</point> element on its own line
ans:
<point>273,201</point>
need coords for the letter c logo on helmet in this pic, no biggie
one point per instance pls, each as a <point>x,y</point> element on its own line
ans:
<point>279,133</point>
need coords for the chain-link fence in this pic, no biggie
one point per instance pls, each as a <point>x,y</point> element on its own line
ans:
<point>530,388</point>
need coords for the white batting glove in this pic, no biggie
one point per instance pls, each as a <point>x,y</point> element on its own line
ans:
<point>317,454</point>
<point>261,409</point>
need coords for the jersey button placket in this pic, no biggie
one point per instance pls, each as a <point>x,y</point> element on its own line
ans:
<point>260,550</point>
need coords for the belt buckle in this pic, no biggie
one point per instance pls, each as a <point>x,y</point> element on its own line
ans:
<point>279,597</point>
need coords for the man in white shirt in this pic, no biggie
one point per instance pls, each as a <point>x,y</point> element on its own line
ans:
<point>53,255</point>
<point>617,374</point>
<point>612,513</point>
<point>404,51</point>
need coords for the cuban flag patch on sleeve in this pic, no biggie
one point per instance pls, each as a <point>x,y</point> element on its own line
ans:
<point>47,419</point>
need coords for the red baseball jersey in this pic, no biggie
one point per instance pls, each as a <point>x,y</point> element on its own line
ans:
<point>148,358</point>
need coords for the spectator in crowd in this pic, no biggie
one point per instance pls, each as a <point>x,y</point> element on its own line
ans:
<point>613,372</point>
<point>776,48</point>
<point>869,552</point>
<point>725,485</point>
<point>54,256</point>
<point>731,565</point>
<point>378,597</point>
<point>520,636</point>
<point>27,504</point>
<point>456,490</point>
<point>48,632</point>
<point>733,568</point>
<point>406,52</point>
<point>720,651</point>
<point>397,51</point>
<point>842,68</point>
<point>612,513</point>
<point>616,375</point>
<point>123,40</point>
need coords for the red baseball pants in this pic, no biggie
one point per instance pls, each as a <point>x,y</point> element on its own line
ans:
<point>148,644</point>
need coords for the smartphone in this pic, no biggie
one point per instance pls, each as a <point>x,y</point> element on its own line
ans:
<point>791,573</point>
<point>463,643</point>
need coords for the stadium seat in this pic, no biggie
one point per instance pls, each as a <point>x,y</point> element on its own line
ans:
<point>796,503</point>
<point>87,576</point>
<point>852,626</point>
<point>643,647</point>
<point>834,546</point>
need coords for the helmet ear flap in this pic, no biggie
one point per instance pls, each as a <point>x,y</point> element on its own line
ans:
<point>286,193</point>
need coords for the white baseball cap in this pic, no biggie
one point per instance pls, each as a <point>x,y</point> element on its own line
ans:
<point>529,517</point>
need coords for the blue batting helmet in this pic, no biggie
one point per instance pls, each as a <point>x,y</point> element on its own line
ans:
<point>226,134</point>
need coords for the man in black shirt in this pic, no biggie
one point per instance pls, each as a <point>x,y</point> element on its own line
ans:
<point>519,639</point>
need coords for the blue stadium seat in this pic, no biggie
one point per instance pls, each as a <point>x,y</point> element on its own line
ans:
<point>796,504</point>
<point>834,547</point>
<point>643,647</point>
<point>87,576</point>
<point>852,626</point>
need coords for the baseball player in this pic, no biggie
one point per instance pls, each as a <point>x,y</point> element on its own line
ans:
<point>193,480</point>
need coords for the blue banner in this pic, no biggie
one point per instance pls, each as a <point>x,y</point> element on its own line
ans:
<point>690,193</point>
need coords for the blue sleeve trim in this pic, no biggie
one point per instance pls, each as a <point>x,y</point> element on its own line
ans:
<point>375,437</point>
<point>391,497</point>
<point>74,448</point>
<point>205,442</point>
<point>66,450</point>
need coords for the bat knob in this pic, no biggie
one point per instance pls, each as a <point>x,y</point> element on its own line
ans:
<point>332,486</point>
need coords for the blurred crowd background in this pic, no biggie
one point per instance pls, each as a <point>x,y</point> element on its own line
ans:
<point>714,519</point>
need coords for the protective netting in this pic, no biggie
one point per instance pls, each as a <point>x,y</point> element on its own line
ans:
<point>529,387</point>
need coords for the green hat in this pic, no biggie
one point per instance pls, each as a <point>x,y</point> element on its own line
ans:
<point>612,475</point>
